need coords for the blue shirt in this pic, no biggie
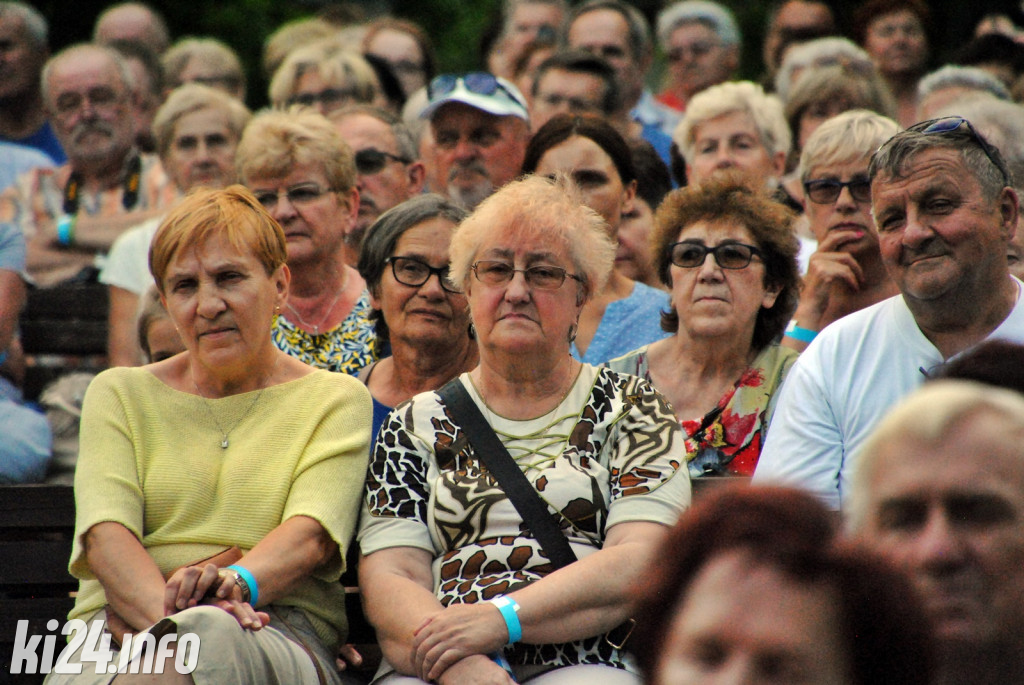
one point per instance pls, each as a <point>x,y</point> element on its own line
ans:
<point>627,324</point>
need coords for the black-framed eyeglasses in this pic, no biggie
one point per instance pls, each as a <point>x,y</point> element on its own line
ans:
<point>690,255</point>
<point>825,191</point>
<point>298,195</point>
<point>950,124</point>
<point>414,273</point>
<point>479,82</point>
<point>330,98</point>
<point>542,276</point>
<point>371,160</point>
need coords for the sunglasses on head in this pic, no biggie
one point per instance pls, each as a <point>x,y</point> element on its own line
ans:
<point>479,82</point>
<point>950,124</point>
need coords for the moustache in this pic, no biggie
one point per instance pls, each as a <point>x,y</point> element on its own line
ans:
<point>472,166</point>
<point>86,127</point>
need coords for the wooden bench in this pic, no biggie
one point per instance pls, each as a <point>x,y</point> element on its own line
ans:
<point>36,531</point>
<point>63,329</point>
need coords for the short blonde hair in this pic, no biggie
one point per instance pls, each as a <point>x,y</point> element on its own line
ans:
<point>276,141</point>
<point>291,36</point>
<point>194,97</point>
<point>211,52</point>
<point>232,212</point>
<point>543,210</point>
<point>336,64</point>
<point>854,134</point>
<point>929,414</point>
<point>735,96</point>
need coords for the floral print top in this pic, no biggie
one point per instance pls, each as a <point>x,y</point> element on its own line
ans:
<point>346,348</point>
<point>727,440</point>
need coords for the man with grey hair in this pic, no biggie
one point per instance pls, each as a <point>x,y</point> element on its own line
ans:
<point>135,22</point>
<point>944,212</point>
<point>479,128</point>
<point>388,169</point>
<point>939,489</point>
<point>24,48</point>
<point>701,40</point>
<point>618,32</point>
<point>525,22</point>
<point>950,84</point>
<point>70,216</point>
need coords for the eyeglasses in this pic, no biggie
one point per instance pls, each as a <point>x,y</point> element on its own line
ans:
<point>825,191</point>
<point>479,82</point>
<point>542,277</point>
<point>371,160</point>
<point>414,273</point>
<point>950,124</point>
<point>331,98</point>
<point>690,255</point>
<point>100,97</point>
<point>298,195</point>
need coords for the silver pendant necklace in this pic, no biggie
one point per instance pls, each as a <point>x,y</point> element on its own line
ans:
<point>206,403</point>
<point>316,328</point>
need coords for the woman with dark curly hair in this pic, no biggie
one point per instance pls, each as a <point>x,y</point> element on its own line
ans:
<point>753,586</point>
<point>728,255</point>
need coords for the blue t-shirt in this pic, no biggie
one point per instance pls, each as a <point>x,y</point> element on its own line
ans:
<point>46,141</point>
<point>627,324</point>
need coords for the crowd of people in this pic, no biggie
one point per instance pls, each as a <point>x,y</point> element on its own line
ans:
<point>486,335</point>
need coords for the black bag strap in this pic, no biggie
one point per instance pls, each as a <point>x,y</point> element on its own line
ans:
<point>513,481</point>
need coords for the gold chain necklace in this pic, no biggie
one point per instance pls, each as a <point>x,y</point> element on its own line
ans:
<point>206,403</point>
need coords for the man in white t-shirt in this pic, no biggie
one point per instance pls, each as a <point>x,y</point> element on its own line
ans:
<point>944,212</point>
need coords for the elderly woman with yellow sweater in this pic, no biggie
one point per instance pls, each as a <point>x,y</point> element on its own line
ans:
<point>218,489</point>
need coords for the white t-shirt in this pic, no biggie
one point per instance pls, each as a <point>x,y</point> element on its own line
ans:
<point>127,265</point>
<point>842,385</point>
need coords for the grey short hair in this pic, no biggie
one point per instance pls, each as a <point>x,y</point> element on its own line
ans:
<point>986,167</point>
<point>639,30</point>
<point>854,134</point>
<point>120,63</point>
<point>34,24</point>
<point>956,76</point>
<point>404,140</point>
<point>1002,124</point>
<point>928,414</point>
<point>821,52</point>
<point>735,96</point>
<point>718,18</point>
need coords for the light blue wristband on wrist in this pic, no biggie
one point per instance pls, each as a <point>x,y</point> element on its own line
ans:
<point>508,608</point>
<point>250,580</point>
<point>804,335</point>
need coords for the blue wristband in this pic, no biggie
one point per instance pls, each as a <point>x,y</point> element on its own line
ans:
<point>804,335</point>
<point>66,230</point>
<point>508,608</point>
<point>250,580</point>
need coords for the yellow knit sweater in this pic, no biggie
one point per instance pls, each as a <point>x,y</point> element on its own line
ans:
<point>150,458</point>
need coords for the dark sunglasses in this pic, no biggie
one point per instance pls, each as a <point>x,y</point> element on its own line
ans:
<point>825,191</point>
<point>950,124</point>
<point>479,82</point>
<point>371,160</point>
<point>727,255</point>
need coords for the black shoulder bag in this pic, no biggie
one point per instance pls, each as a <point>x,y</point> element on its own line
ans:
<point>533,510</point>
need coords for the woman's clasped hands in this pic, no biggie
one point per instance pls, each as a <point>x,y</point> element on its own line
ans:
<point>454,644</point>
<point>194,585</point>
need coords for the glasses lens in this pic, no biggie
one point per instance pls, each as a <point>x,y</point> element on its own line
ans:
<point>823,192</point>
<point>303,194</point>
<point>493,273</point>
<point>410,271</point>
<point>688,255</point>
<point>860,190</point>
<point>370,161</point>
<point>268,200</point>
<point>733,256</point>
<point>545,277</point>
<point>442,85</point>
<point>481,82</point>
<point>944,125</point>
